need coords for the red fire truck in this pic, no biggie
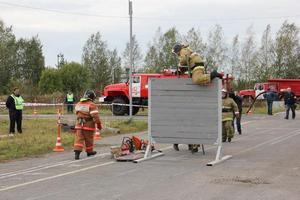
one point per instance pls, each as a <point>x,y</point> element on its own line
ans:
<point>277,85</point>
<point>119,93</point>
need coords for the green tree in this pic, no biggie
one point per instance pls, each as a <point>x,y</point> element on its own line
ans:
<point>266,56</point>
<point>115,66</point>
<point>7,56</point>
<point>74,78</point>
<point>50,81</point>
<point>194,40</point>
<point>137,57</point>
<point>216,48</point>
<point>249,55</point>
<point>159,54</point>
<point>151,60</point>
<point>234,58</point>
<point>167,41</point>
<point>30,61</point>
<point>287,52</point>
<point>95,59</point>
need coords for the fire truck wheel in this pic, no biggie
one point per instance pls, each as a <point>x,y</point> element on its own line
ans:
<point>134,110</point>
<point>119,109</point>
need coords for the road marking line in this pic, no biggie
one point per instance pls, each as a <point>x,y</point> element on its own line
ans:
<point>56,176</point>
<point>51,166</point>
<point>280,140</point>
<point>283,128</point>
<point>266,142</point>
<point>31,168</point>
<point>43,196</point>
<point>248,122</point>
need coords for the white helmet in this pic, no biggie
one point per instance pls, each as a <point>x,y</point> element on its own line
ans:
<point>224,90</point>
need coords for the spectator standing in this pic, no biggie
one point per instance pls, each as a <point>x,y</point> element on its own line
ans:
<point>270,97</point>
<point>14,104</point>
<point>70,100</point>
<point>289,102</point>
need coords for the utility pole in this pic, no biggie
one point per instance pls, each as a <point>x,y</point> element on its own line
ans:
<point>130,55</point>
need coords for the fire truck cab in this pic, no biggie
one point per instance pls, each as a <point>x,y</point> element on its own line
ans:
<point>118,94</point>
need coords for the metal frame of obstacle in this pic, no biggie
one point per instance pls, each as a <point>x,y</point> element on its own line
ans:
<point>219,158</point>
<point>148,153</point>
<point>219,154</point>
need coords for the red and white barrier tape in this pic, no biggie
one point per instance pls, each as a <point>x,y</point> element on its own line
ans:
<point>2,104</point>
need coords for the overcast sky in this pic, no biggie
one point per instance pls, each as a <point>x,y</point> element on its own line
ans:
<point>67,32</point>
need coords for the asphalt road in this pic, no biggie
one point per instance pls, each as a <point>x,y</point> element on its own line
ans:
<point>265,165</point>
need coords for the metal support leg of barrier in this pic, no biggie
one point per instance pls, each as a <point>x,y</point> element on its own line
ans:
<point>148,153</point>
<point>219,157</point>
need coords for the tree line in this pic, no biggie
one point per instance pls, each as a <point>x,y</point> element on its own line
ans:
<point>245,57</point>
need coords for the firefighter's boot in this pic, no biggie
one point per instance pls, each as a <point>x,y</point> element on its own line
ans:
<point>194,148</point>
<point>77,154</point>
<point>215,74</point>
<point>175,147</point>
<point>91,153</point>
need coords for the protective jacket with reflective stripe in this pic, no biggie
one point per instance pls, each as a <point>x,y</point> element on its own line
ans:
<point>87,115</point>
<point>229,108</point>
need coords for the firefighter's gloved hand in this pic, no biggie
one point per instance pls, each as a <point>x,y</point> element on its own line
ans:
<point>99,126</point>
<point>237,114</point>
<point>215,74</point>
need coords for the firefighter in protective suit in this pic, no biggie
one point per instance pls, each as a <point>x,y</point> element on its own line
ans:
<point>196,69</point>
<point>87,120</point>
<point>229,108</point>
<point>195,64</point>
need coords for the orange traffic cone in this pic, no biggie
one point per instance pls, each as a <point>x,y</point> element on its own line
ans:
<point>97,135</point>
<point>34,108</point>
<point>250,112</point>
<point>34,111</point>
<point>58,147</point>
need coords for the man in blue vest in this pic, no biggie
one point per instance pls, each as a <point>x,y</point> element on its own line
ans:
<point>70,100</point>
<point>14,104</point>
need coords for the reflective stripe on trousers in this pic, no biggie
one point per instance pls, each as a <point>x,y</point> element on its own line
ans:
<point>85,128</point>
<point>82,138</point>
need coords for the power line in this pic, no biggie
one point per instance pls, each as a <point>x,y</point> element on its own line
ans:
<point>60,11</point>
<point>215,19</point>
<point>147,18</point>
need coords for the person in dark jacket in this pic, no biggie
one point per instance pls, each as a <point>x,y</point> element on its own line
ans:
<point>289,102</point>
<point>14,104</point>
<point>239,102</point>
<point>270,97</point>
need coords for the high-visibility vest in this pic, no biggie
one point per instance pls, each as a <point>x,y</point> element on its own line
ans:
<point>83,99</point>
<point>70,97</point>
<point>18,102</point>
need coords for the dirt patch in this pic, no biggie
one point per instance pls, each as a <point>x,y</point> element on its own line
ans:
<point>237,179</point>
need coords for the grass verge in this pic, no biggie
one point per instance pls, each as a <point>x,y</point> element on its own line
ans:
<point>39,137</point>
